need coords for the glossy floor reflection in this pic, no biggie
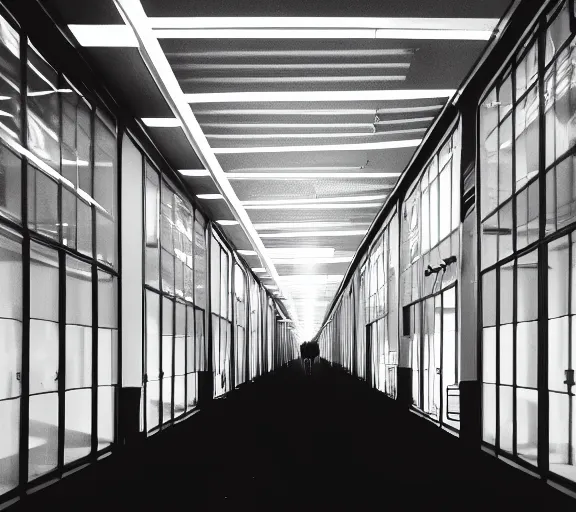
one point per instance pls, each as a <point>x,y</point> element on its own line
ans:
<point>307,442</point>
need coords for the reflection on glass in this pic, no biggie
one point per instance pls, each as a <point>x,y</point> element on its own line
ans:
<point>78,421</point>
<point>43,434</point>
<point>10,178</point>
<point>43,110</point>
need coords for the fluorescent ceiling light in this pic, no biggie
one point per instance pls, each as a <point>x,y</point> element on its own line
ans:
<point>295,126</point>
<point>366,146</point>
<point>285,66</point>
<point>309,175</point>
<point>404,121</point>
<point>270,96</point>
<point>227,222</point>
<point>313,261</point>
<point>259,54</point>
<point>246,252</point>
<point>209,196</point>
<point>291,79</point>
<point>194,172</point>
<point>302,252</point>
<point>104,35</point>
<point>161,122</point>
<point>314,234</point>
<point>420,23</point>
<point>330,135</point>
<point>318,200</point>
<point>259,270</point>
<point>316,112</point>
<point>267,226</point>
<point>316,206</point>
<point>321,33</point>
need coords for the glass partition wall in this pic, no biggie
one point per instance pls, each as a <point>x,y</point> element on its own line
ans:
<point>175,301</point>
<point>221,316</point>
<point>526,219</point>
<point>58,265</point>
<point>430,253</point>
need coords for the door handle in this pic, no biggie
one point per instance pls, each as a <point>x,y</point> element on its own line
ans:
<point>438,371</point>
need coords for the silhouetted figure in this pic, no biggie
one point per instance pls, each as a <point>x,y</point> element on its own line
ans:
<point>309,352</point>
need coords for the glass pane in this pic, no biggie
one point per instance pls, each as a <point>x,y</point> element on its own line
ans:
<point>179,395</point>
<point>506,354</point>
<point>152,227</point>
<point>527,354</point>
<point>201,362</point>
<point>167,336</point>
<point>489,167</point>
<point>565,192</point>
<point>43,110</point>
<point>199,265</point>
<point>505,161</point>
<point>558,269</point>
<point>106,402</point>
<point>489,354</point>
<point>84,228</point>
<point>44,339</point>
<point>105,149</point>
<point>527,424</point>
<point>78,431</point>
<point>10,173</point>
<point>78,356</point>
<point>557,33</point>
<point>78,292</point>
<point>215,275</point>
<point>527,287</point>
<point>166,399</point>
<point>559,106</point>
<point>506,418</point>
<point>224,299</point>
<point>43,434</point>
<point>505,221</point>
<point>506,293</point>
<point>152,404</point>
<point>192,390</point>
<point>489,244</point>
<point>42,204</point>
<point>445,202</point>
<point>152,335</point>
<point>455,194</point>
<point>9,442</point>
<point>559,436</point>
<point>190,345</point>
<point>527,70</point>
<point>434,213</point>
<point>10,78</point>
<point>105,239</point>
<point>107,357</point>
<point>489,413</point>
<point>505,96</point>
<point>107,300</point>
<point>489,298</point>
<point>558,353</point>
<point>527,138</point>
<point>69,218</point>
<point>180,341</point>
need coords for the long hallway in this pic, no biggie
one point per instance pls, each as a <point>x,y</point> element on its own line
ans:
<point>286,441</point>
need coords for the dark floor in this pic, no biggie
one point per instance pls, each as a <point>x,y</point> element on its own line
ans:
<point>287,441</point>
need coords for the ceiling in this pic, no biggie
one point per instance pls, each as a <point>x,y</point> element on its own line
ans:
<point>303,125</point>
